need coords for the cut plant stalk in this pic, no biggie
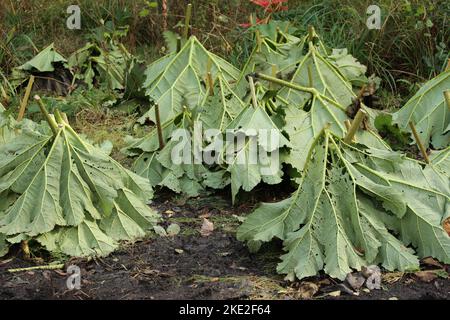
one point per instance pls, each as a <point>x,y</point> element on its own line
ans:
<point>447,98</point>
<point>47,267</point>
<point>419,142</point>
<point>209,78</point>
<point>360,115</point>
<point>178,44</point>
<point>26,97</point>
<point>51,122</point>
<point>187,21</point>
<point>284,83</point>
<point>159,127</point>
<point>25,249</point>
<point>253,92</point>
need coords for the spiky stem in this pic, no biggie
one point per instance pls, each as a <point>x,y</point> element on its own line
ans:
<point>24,103</point>
<point>159,127</point>
<point>51,122</point>
<point>284,83</point>
<point>360,115</point>
<point>187,21</point>
<point>419,142</point>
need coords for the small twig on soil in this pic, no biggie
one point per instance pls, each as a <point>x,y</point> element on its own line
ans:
<point>24,103</point>
<point>46,267</point>
<point>360,115</point>
<point>419,142</point>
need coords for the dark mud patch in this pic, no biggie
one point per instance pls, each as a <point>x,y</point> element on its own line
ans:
<point>214,267</point>
<point>190,266</point>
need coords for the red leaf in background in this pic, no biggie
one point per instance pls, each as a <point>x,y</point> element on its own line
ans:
<point>263,3</point>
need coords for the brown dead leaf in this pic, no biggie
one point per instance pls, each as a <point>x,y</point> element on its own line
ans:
<point>207,228</point>
<point>307,290</point>
<point>426,276</point>
<point>432,262</point>
<point>392,277</point>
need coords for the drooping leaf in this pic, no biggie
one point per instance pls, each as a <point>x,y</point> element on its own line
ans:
<point>441,160</point>
<point>104,65</point>
<point>178,80</point>
<point>256,156</point>
<point>315,71</point>
<point>43,61</point>
<point>350,68</point>
<point>429,112</point>
<point>348,201</point>
<point>71,196</point>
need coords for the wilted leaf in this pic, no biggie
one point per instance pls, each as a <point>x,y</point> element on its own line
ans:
<point>331,214</point>
<point>71,196</point>
<point>429,112</point>
<point>178,80</point>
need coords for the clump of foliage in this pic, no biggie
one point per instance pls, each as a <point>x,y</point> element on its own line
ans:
<point>357,202</point>
<point>67,194</point>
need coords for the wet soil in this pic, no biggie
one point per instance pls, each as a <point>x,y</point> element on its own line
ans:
<point>192,266</point>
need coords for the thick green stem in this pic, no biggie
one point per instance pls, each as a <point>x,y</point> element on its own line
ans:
<point>311,33</point>
<point>284,83</point>
<point>187,21</point>
<point>419,142</point>
<point>51,122</point>
<point>24,102</point>
<point>253,92</point>
<point>58,117</point>
<point>447,98</point>
<point>360,115</point>
<point>178,44</point>
<point>26,249</point>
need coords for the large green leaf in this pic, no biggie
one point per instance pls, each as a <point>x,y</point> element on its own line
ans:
<point>314,71</point>
<point>253,159</point>
<point>347,203</point>
<point>104,65</point>
<point>179,80</point>
<point>428,111</point>
<point>71,196</point>
<point>43,61</point>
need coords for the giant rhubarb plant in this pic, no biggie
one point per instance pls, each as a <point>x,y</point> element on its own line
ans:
<point>182,79</point>
<point>355,206</point>
<point>429,111</point>
<point>67,194</point>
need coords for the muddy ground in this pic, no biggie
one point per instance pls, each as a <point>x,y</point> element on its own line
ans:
<point>192,266</point>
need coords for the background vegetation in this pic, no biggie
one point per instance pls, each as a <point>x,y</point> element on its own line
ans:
<point>412,46</point>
